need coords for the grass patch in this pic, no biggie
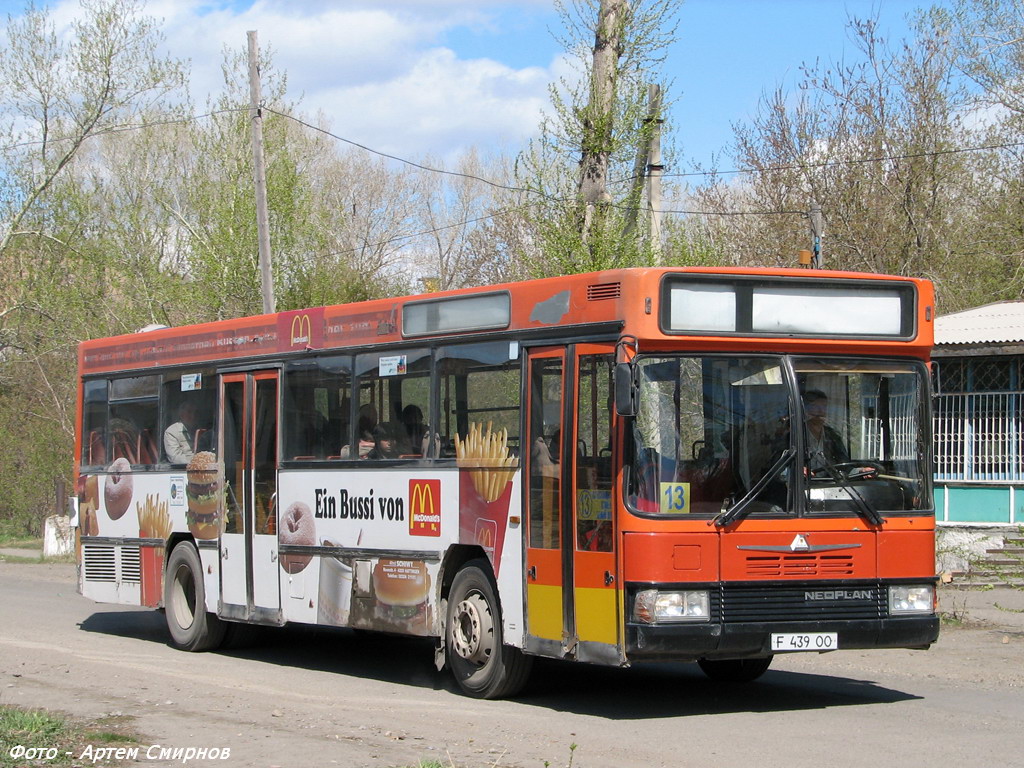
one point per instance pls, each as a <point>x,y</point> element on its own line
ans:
<point>33,549</point>
<point>36,558</point>
<point>39,729</point>
<point>20,542</point>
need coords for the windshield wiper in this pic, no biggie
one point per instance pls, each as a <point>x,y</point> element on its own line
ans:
<point>740,508</point>
<point>865,510</point>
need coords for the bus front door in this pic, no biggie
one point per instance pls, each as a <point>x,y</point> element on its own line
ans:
<point>571,580</point>
<point>249,577</point>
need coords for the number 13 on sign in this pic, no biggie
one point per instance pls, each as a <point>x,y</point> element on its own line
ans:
<point>675,498</point>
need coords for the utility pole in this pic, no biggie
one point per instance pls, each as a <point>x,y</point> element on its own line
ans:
<point>816,231</point>
<point>260,174</point>
<point>654,170</point>
<point>597,116</point>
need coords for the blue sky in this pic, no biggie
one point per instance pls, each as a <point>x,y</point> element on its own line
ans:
<point>431,77</point>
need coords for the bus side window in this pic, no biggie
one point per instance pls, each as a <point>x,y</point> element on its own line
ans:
<point>593,472</point>
<point>134,404</point>
<point>94,423</point>
<point>480,388</point>
<point>315,414</point>
<point>394,397</point>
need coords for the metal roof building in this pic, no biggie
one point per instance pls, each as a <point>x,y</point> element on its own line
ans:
<point>979,409</point>
<point>991,325</point>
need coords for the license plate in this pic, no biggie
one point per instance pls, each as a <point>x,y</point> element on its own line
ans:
<point>805,641</point>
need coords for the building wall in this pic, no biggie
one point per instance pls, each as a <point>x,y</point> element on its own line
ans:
<point>979,438</point>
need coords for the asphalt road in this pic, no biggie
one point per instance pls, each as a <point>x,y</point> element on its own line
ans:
<point>305,697</point>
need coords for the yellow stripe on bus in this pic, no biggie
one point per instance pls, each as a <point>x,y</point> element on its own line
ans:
<point>544,611</point>
<point>596,615</point>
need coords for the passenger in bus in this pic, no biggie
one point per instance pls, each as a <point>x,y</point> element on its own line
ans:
<point>390,441</point>
<point>365,426</point>
<point>541,460</point>
<point>412,418</point>
<point>312,431</point>
<point>825,446</point>
<point>419,432</point>
<point>179,437</point>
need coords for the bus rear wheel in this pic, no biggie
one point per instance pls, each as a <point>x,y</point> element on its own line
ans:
<point>483,666</point>
<point>191,627</point>
<point>735,670</point>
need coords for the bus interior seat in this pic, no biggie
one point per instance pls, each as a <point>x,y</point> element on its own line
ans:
<point>97,451</point>
<point>146,447</point>
<point>123,445</point>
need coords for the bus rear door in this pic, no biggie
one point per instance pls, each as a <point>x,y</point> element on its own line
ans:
<point>250,580</point>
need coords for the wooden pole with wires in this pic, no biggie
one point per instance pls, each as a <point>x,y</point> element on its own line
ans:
<point>260,175</point>
<point>654,171</point>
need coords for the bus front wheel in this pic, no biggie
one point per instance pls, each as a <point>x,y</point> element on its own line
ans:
<point>483,666</point>
<point>735,670</point>
<point>191,627</point>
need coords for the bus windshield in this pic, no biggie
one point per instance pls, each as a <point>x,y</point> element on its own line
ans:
<point>715,433</point>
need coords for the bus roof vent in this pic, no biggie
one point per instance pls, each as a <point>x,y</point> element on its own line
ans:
<point>603,291</point>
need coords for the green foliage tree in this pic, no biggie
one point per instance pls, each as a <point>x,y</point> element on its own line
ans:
<point>582,168</point>
<point>57,94</point>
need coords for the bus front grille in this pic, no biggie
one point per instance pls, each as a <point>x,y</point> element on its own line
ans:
<point>817,601</point>
<point>799,564</point>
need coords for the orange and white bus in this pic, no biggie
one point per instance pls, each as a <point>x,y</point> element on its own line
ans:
<point>710,465</point>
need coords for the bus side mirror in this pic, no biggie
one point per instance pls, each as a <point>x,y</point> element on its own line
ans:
<point>625,391</point>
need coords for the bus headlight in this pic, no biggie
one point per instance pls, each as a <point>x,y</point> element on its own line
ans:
<point>911,598</point>
<point>653,606</point>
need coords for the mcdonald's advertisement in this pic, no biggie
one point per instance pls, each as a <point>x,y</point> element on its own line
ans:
<point>365,509</point>
<point>302,329</point>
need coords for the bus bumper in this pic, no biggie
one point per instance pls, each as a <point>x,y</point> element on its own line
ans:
<point>689,642</point>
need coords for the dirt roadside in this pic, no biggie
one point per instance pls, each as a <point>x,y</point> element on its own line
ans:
<point>330,697</point>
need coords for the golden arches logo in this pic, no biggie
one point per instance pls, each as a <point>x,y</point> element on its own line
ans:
<point>485,537</point>
<point>301,330</point>
<point>425,507</point>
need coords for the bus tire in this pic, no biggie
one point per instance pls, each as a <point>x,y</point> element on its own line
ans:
<point>483,666</point>
<point>735,670</point>
<point>191,627</point>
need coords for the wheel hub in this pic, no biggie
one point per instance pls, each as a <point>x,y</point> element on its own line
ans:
<point>472,628</point>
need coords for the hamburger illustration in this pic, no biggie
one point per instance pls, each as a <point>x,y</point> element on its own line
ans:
<point>402,588</point>
<point>203,494</point>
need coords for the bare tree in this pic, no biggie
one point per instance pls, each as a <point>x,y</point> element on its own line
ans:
<point>875,142</point>
<point>583,166</point>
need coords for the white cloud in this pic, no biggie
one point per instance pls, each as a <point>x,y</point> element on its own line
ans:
<point>440,104</point>
<point>378,70</point>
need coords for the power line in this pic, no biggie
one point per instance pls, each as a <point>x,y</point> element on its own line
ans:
<point>539,193</point>
<point>124,128</point>
<point>411,163</point>
<point>851,161</point>
<point>498,185</point>
<point>493,215</point>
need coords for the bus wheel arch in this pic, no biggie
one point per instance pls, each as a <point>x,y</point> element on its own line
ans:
<point>483,666</point>
<point>191,626</point>
<point>457,556</point>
